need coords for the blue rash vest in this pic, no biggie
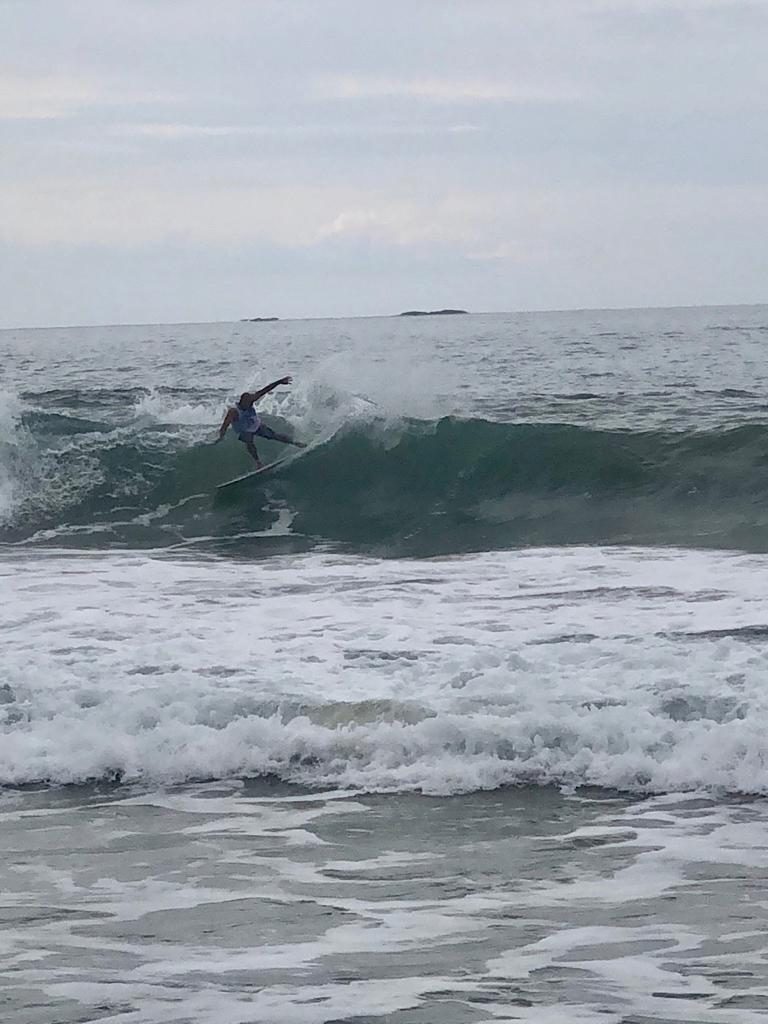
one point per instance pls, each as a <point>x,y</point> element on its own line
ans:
<point>248,422</point>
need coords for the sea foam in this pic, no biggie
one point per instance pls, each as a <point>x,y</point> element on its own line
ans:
<point>622,668</point>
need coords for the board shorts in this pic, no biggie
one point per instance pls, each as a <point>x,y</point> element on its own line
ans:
<point>261,431</point>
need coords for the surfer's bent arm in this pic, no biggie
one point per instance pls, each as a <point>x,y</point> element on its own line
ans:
<point>229,418</point>
<point>270,387</point>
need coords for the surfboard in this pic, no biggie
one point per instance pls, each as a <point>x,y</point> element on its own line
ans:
<point>255,473</point>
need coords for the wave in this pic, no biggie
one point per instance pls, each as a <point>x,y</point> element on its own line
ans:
<point>410,487</point>
<point>385,745</point>
<point>524,667</point>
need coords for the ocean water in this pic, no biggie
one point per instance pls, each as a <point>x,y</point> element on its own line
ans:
<point>459,717</point>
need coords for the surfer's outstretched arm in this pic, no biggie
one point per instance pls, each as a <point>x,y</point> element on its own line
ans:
<point>256,395</point>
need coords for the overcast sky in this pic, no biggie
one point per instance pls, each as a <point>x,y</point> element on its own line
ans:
<point>172,160</point>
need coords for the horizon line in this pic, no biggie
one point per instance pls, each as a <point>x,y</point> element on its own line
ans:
<point>384,316</point>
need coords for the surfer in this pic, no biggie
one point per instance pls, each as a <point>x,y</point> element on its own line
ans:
<point>247,423</point>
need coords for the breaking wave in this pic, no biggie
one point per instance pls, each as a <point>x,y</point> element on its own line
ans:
<point>413,487</point>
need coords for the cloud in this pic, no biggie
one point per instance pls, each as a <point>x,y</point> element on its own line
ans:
<point>453,219</point>
<point>50,97</point>
<point>44,97</point>
<point>107,212</point>
<point>666,6</point>
<point>484,224</point>
<point>128,214</point>
<point>502,251</point>
<point>173,131</point>
<point>441,90</point>
<point>169,131</point>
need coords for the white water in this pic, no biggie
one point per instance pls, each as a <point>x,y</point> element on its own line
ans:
<point>446,676</point>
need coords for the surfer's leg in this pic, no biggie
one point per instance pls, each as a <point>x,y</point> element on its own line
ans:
<point>252,450</point>
<point>271,435</point>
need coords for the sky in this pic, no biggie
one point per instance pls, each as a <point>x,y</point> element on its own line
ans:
<point>178,160</point>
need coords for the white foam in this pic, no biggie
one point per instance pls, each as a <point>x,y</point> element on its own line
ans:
<point>160,408</point>
<point>447,676</point>
<point>403,382</point>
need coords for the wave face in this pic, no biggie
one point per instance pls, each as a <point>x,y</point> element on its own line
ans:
<point>408,487</point>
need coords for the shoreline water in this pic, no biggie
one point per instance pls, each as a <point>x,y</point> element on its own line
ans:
<point>243,901</point>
